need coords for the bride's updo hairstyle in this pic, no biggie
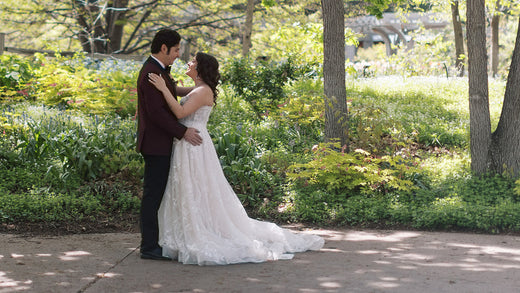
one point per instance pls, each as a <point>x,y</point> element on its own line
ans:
<point>207,68</point>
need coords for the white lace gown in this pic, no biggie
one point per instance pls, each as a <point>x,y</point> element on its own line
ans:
<point>202,221</point>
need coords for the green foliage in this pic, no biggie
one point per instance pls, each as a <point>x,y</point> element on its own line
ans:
<point>87,146</point>
<point>76,83</point>
<point>65,162</point>
<point>243,169</point>
<point>431,112</point>
<point>14,70</point>
<point>278,41</point>
<point>339,172</point>
<point>48,155</point>
<point>42,205</point>
<point>260,83</point>
<point>16,75</point>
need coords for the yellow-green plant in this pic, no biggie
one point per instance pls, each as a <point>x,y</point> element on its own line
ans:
<point>342,172</point>
<point>71,84</point>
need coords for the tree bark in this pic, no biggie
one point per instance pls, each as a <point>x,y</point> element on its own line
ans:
<point>98,36</point>
<point>115,20</point>
<point>505,150</point>
<point>336,112</point>
<point>248,27</point>
<point>495,23</point>
<point>91,36</point>
<point>459,37</point>
<point>186,50</point>
<point>480,124</point>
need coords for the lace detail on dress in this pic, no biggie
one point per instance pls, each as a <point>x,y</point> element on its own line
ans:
<point>202,221</point>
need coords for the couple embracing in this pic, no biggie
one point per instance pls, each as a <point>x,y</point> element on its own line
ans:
<point>189,212</point>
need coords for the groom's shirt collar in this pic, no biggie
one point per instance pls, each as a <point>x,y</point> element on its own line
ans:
<point>160,63</point>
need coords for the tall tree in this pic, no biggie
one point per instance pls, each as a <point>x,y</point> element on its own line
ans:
<point>496,152</point>
<point>495,24</point>
<point>248,27</point>
<point>480,122</point>
<point>504,150</point>
<point>336,112</point>
<point>459,37</point>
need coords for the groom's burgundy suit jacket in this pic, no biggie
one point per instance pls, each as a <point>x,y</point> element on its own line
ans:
<point>157,125</point>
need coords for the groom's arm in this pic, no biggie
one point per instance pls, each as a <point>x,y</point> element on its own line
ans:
<point>158,111</point>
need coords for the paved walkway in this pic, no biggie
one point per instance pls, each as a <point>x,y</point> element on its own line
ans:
<point>351,261</point>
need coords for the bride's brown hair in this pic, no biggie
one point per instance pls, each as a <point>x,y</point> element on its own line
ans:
<point>207,68</point>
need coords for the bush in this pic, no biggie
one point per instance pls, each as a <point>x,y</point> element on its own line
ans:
<point>342,173</point>
<point>42,205</point>
<point>260,83</point>
<point>69,83</point>
<point>248,175</point>
<point>16,77</point>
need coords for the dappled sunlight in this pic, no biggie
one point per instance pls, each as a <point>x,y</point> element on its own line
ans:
<point>492,250</point>
<point>329,283</point>
<point>384,260</point>
<point>73,255</point>
<point>107,275</point>
<point>368,236</point>
<point>7,283</point>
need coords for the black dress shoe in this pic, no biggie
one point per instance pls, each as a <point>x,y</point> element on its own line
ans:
<point>155,254</point>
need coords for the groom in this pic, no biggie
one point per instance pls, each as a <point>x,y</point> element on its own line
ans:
<point>157,126</point>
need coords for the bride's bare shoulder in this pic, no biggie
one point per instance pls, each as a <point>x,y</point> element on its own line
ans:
<point>203,92</point>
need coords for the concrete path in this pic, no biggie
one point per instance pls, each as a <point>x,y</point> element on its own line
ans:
<point>351,261</point>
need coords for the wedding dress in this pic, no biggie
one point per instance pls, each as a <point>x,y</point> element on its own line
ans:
<point>202,221</point>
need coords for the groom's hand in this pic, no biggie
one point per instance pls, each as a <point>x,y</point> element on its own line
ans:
<point>192,136</point>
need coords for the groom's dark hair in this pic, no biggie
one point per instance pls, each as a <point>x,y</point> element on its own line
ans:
<point>167,37</point>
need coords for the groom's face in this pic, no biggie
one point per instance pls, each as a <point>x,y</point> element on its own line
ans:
<point>173,54</point>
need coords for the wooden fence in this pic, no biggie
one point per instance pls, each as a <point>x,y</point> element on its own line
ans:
<point>3,49</point>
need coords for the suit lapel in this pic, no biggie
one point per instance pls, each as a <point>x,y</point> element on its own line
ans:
<point>169,81</point>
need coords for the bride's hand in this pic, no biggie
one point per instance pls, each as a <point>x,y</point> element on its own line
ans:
<point>157,81</point>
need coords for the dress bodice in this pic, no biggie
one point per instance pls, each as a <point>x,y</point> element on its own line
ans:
<point>197,119</point>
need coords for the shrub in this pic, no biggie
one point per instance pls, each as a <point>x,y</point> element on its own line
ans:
<point>260,83</point>
<point>248,175</point>
<point>69,83</point>
<point>43,205</point>
<point>16,77</point>
<point>340,172</point>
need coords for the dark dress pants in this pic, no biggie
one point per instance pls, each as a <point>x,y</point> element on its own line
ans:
<point>156,170</point>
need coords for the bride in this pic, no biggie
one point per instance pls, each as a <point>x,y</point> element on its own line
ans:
<point>201,220</point>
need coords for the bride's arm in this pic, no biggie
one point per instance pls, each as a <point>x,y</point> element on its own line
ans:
<point>183,90</point>
<point>196,101</point>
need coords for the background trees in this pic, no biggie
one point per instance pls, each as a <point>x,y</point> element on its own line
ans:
<point>121,26</point>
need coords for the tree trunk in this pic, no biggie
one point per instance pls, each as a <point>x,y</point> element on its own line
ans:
<point>91,36</point>
<point>495,22</point>
<point>336,113</point>
<point>101,33</point>
<point>115,25</point>
<point>186,50</point>
<point>480,124</point>
<point>248,27</point>
<point>505,150</point>
<point>459,37</point>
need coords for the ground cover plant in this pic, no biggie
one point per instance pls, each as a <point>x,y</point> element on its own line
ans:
<point>68,160</point>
